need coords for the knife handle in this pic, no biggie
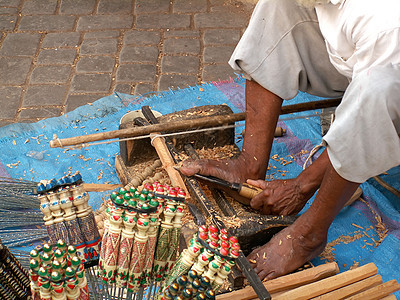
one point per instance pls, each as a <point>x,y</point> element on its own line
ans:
<point>249,191</point>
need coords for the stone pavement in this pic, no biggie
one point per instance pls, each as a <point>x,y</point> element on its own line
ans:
<point>56,55</point>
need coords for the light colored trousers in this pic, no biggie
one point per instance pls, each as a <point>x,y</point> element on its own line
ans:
<point>284,51</point>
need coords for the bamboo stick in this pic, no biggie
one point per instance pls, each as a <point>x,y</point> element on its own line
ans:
<point>203,122</point>
<point>378,292</point>
<point>352,289</point>
<point>286,282</point>
<point>329,284</point>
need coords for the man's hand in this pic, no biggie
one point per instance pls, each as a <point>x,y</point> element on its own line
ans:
<point>279,197</point>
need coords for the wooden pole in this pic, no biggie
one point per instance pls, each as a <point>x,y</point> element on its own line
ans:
<point>286,282</point>
<point>329,284</point>
<point>352,289</point>
<point>379,291</point>
<point>203,122</point>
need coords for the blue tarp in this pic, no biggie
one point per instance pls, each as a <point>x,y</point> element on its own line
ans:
<point>352,236</point>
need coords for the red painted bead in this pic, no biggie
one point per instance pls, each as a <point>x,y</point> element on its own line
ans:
<point>213,228</point>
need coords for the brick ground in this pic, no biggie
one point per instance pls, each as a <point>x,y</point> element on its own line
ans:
<point>56,55</point>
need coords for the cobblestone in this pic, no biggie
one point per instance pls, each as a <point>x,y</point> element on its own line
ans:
<point>7,23</point>
<point>180,64</point>
<point>12,96</point>
<point>13,71</point>
<point>56,40</point>
<point>91,64</point>
<point>136,72</point>
<point>20,44</point>
<point>39,7</point>
<point>38,95</point>
<point>224,36</point>
<point>99,46</point>
<point>77,7</point>
<point>56,55</point>
<point>187,46</point>
<point>104,22</point>
<point>176,81</point>
<point>115,7</point>
<point>91,83</point>
<point>163,21</point>
<point>139,54</point>
<point>50,74</point>
<point>141,37</point>
<point>47,23</point>
<point>217,54</point>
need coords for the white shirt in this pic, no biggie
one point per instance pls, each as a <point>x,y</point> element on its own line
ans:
<point>360,33</point>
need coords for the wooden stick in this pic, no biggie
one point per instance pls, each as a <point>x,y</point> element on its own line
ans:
<point>390,297</point>
<point>168,162</point>
<point>286,282</point>
<point>97,187</point>
<point>352,289</point>
<point>379,291</point>
<point>329,284</point>
<point>204,122</point>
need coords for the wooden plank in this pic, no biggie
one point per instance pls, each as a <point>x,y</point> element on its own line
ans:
<point>329,284</point>
<point>352,289</point>
<point>286,282</point>
<point>378,292</point>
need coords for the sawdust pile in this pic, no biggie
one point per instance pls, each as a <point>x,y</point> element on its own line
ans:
<point>379,228</point>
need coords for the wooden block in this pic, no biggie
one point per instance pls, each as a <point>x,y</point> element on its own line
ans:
<point>352,289</point>
<point>329,284</point>
<point>378,292</point>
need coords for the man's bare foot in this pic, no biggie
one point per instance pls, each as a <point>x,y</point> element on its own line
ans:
<point>232,170</point>
<point>280,197</point>
<point>288,250</point>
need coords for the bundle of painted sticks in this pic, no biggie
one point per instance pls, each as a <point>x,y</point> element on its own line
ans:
<point>210,255</point>
<point>68,216</point>
<point>14,280</point>
<point>191,286</point>
<point>324,282</point>
<point>56,272</point>
<point>141,233</point>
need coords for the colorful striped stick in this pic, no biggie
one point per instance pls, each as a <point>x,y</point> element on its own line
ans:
<point>112,247</point>
<point>164,241</point>
<point>48,218</point>
<point>71,285</point>
<point>125,248</point>
<point>75,235</point>
<point>138,253</point>
<point>60,230</point>
<point>109,211</point>
<point>86,221</point>
<point>82,281</point>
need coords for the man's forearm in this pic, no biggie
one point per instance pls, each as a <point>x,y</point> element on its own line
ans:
<point>262,113</point>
